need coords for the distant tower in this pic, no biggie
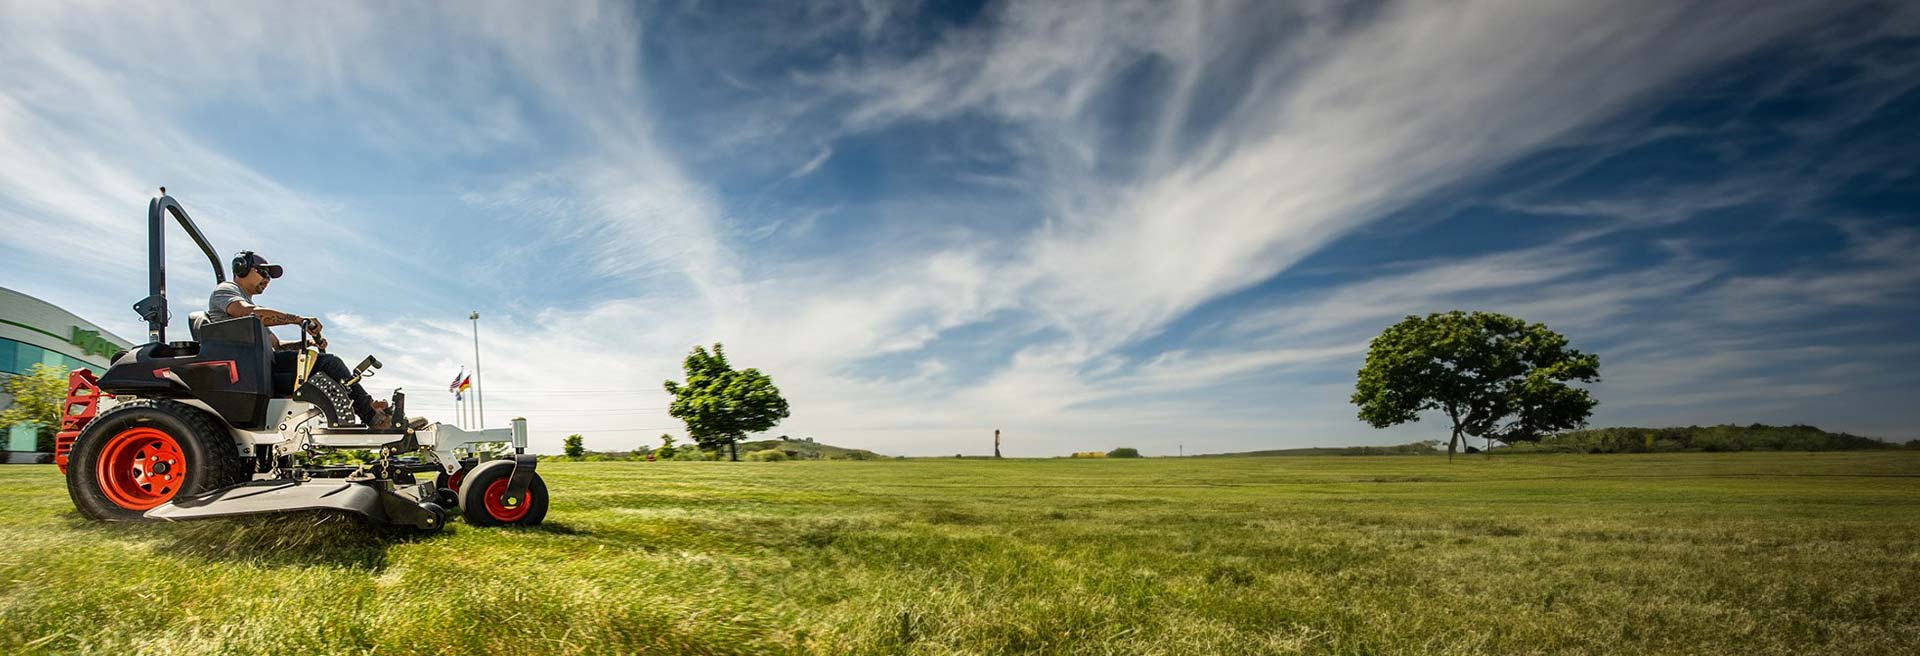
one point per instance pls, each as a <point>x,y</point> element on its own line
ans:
<point>996,442</point>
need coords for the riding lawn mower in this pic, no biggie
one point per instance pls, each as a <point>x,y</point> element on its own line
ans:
<point>198,429</point>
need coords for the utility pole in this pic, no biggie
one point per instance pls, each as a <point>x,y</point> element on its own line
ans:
<point>1183,450</point>
<point>480,402</point>
<point>996,443</point>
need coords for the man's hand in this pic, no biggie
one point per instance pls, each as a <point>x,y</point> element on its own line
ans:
<point>320,341</point>
<point>311,324</point>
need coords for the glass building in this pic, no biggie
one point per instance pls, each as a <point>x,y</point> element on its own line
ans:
<point>33,332</point>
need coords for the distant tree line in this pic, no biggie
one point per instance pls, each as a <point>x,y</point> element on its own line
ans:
<point>1722,438</point>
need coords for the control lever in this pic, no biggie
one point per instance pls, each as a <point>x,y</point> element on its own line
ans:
<point>362,371</point>
<point>308,336</point>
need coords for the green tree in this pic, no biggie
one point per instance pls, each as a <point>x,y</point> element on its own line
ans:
<point>666,450</point>
<point>486,451</point>
<point>1124,452</point>
<point>38,396</point>
<point>575,446</point>
<point>1494,376</point>
<point>721,405</point>
<point>348,457</point>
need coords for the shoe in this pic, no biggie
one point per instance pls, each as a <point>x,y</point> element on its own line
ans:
<point>382,415</point>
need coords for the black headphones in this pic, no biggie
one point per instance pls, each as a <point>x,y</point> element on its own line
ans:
<point>242,264</point>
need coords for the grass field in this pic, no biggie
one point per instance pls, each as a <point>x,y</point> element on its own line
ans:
<point>1687,553</point>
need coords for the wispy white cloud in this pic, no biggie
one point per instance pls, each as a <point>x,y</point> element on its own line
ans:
<point>812,164</point>
<point>546,186</point>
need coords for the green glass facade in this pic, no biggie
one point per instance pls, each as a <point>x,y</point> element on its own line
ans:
<point>18,357</point>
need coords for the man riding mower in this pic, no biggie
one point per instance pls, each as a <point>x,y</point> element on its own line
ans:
<point>233,299</point>
<point>213,427</point>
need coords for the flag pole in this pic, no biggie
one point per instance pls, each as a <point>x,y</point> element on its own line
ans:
<point>479,402</point>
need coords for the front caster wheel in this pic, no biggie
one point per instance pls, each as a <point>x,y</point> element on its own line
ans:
<point>484,500</point>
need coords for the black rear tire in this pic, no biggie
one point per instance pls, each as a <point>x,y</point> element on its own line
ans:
<point>203,448</point>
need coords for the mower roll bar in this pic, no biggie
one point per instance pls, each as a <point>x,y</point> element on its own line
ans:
<point>153,308</point>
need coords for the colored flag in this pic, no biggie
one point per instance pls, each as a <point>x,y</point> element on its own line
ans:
<point>454,388</point>
<point>466,383</point>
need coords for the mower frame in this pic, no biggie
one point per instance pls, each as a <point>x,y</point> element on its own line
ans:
<point>223,375</point>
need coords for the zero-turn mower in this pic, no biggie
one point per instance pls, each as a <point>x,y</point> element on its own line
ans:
<point>195,429</point>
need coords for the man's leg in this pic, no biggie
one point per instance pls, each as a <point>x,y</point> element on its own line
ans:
<point>336,369</point>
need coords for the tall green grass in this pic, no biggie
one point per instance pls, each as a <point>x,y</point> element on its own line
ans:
<point>1746,553</point>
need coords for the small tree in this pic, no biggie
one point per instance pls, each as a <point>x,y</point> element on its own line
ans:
<point>1493,375</point>
<point>575,446</point>
<point>37,397</point>
<point>666,450</point>
<point>1124,452</point>
<point>720,404</point>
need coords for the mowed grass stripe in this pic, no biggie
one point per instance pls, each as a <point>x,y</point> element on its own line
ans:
<point>1669,553</point>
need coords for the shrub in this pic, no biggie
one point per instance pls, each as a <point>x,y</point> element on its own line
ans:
<point>1124,452</point>
<point>689,453</point>
<point>767,455</point>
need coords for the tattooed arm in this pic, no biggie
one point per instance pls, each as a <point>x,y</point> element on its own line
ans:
<point>268,316</point>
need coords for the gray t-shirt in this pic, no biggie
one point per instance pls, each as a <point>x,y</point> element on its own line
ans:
<point>225,294</point>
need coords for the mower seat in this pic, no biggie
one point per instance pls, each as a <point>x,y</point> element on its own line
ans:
<point>194,322</point>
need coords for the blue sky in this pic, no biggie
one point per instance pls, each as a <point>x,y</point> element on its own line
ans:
<point>1086,224</point>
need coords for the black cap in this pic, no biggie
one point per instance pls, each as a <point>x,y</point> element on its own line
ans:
<point>252,260</point>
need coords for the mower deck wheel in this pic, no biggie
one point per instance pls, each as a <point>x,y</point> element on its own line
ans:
<point>448,487</point>
<point>438,514</point>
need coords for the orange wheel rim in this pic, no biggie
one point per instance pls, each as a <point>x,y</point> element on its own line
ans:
<point>503,508</point>
<point>141,468</point>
